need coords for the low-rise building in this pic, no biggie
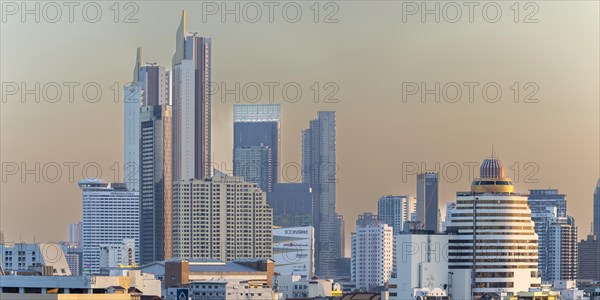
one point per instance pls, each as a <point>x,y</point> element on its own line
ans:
<point>294,286</point>
<point>130,285</point>
<point>47,259</point>
<point>220,289</point>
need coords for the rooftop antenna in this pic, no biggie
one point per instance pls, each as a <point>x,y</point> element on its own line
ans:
<point>194,33</point>
<point>492,150</point>
<point>151,64</point>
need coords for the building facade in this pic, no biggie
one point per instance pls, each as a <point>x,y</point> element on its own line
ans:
<point>588,253</point>
<point>34,257</point>
<point>254,164</point>
<point>319,170</point>
<point>557,244</point>
<point>156,203</point>
<point>191,100</point>
<point>293,251</point>
<point>372,247</point>
<point>292,204</point>
<point>221,217</point>
<point>110,215</point>
<point>256,143</point>
<point>493,246</point>
<point>597,209</point>
<point>428,205</point>
<point>75,233</point>
<point>396,210</point>
<point>541,200</point>
<point>421,262</point>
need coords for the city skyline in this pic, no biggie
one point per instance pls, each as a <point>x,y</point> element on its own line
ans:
<point>549,164</point>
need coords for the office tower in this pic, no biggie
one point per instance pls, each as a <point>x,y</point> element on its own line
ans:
<point>372,253</point>
<point>319,170</point>
<point>110,214</point>
<point>428,205</point>
<point>156,183</point>
<point>597,209</point>
<point>292,204</point>
<point>293,251</point>
<point>191,105</point>
<point>75,234</point>
<point>588,259</point>
<point>155,81</point>
<point>256,143</point>
<point>1,237</point>
<point>252,163</point>
<point>221,217</point>
<point>503,248</point>
<point>395,211</point>
<point>541,200</point>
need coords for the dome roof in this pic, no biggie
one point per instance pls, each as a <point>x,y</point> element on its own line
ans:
<point>492,168</point>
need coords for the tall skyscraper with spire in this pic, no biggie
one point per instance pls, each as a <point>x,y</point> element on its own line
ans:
<point>319,170</point>
<point>493,246</point>
<point>191,105</point>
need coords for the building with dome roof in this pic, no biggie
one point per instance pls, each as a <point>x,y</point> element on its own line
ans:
<point>501,254</point>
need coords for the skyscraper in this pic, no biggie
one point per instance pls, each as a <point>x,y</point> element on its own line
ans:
<point>395,211</point>
<point>541,200</point>
<point>156,183</point>
<point>557,235</point>
<point>493,246</point>
<point>221,217</point>
<point>428,205</point>
<point>150,86</point>
<point>110,215</point>
<point>588,259</point>
<point>132,101</point>
<point>292,204</point>
<point>372,247</point>
<point>256,143</point>
<point>191,105</point>
<point>597,209</point>
<point>75,234</point>
<point>319,170</point>
<point>253,163</point>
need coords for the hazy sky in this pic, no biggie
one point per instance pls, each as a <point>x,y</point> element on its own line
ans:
<point>363,59</point>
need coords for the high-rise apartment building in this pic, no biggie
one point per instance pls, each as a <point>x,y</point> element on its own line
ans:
<point>319,170</point>
<point>221,217</point>
<point>256,143</point>
<point>493,246</point>
<point>191,100</point>
<point>588,259</point>
<point>110,215</point>
<point>428,206</point>
<point>372,247</point>
<point>396,210</point>
<point>75,234</point>
<point>557,235</point>
<point>156,183</point>
<point>597,209</point>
